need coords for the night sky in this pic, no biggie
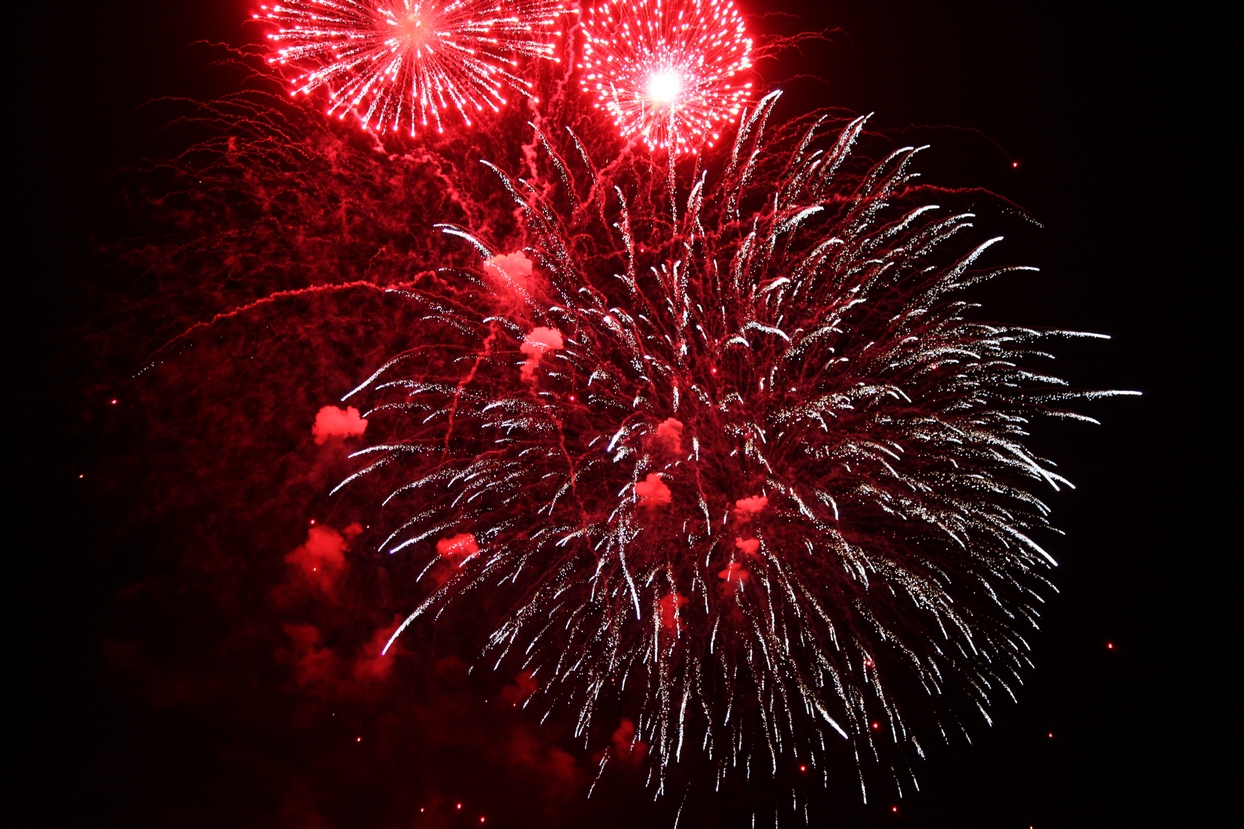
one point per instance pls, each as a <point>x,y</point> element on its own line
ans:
<point>162,648</point>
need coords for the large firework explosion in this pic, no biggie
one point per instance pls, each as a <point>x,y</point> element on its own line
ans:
<point>720,453</point>
<point>398,64</point>
<point>734,470</point>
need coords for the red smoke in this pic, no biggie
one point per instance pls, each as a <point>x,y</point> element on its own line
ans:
<point>457,548</point>
<point>322,557</point>
<point>745,508</point>
<point>511,271</point>
<point>625,747</point>
<point>667,610</point>
<point>516,693</point>
<point>332,422</point>
<point>747,546</point>
<point>553,767</point>
<point>669,434</point>
<point>733,577</point>
<point>324,672</point>
<point>372,662</point>
<point>535,344</point>
<point>316,667</point>
<point>652,491</point>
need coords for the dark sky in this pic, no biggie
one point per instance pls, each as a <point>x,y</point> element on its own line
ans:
<point>152,695</point>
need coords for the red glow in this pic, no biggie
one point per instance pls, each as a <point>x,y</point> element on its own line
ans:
<point>627,746</point>
<point>669,434</point>
<point>332,422</point>
<point>894,809</point>
<point>538,342</point>
<point>667,610</point>
<point>459,806</point>
<point>803,769</point>
<point>113,401</point>
<point>667,73</point>
<point>1014,165</point>
<point>322,557</point>
<point>524,685</point>
<point>1110,646</point>
<point>458,548</point>
<point>747,546</point>
<point>745,508</point>
<point>735,574</point>
<point>876,726</point>
<point>652,491</point>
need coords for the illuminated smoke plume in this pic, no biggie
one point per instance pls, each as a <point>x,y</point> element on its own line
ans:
<point>400,64</point>
<point>669,73</point>
<point>333,422</point>
<point>750,474</point>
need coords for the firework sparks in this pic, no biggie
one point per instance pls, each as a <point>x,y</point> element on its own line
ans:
<point>399,64</point>
<point>757,478</point>
<point>667,72</point>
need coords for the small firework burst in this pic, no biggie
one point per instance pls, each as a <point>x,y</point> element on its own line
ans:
<point>668,73</point>
<point>399,64</point>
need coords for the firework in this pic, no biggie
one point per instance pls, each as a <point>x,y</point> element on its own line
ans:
<point>399,64</point>
<point>668,73</point>
<point>753,476</point>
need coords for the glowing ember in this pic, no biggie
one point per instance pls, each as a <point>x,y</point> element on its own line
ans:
<point>398,64</point>
<point>667,72</point>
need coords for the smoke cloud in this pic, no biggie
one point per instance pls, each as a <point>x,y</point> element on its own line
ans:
<point>652,491</point>
<point>332,422</point>
<point>322,557</point>
<point>535,344</point>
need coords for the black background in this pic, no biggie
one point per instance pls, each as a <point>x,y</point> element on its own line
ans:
<point>1116,117</point>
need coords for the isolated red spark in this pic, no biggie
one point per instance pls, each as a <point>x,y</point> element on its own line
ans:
<point>399,64</point>
<point>668,73</point>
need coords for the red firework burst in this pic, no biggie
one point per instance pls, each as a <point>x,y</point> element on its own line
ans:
<point>668,73</point>
<point>398,64</point>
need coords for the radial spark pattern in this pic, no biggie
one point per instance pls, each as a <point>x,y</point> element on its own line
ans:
<point>669,72</point>
<point>751,476</point>
<point>400,64</point>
